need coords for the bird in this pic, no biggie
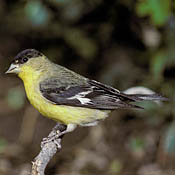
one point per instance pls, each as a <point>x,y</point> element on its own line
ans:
<point>67,97</point>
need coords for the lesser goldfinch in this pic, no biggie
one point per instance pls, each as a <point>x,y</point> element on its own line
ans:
<point>65,96</point>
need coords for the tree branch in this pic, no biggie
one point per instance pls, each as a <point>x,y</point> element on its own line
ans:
<point>49,146</point>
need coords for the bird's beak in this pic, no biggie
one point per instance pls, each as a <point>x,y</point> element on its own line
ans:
<point>13,69</point>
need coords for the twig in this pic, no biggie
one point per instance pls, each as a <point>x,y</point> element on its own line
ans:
<point>49,146</point>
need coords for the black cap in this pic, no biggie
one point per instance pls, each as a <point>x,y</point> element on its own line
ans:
<point>25,55</point>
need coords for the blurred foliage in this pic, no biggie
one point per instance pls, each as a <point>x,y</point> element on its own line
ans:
<point>158,10</point>
<point>122,43</point>
<point>37,13</point>
<point>3,144</point>
<point>16,98</point>
<point>115,167</point>
<point>169,142</point>
<point>136,144</point>
<point>85,47</point>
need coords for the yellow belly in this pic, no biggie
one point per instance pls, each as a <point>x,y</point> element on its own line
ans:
<point>62,113</point>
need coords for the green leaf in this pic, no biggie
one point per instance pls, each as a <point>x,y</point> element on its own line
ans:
<point>158,10</point>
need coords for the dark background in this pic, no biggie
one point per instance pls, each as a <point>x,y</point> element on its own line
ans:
<point>122,43</point>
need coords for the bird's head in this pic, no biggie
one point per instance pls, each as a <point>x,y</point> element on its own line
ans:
<point>29,59</point>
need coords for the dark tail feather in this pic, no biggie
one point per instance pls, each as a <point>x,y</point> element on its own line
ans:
<point>139,97</point>
<point>151,97</point>
<point>124,105</point>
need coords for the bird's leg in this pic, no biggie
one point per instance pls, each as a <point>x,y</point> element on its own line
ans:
<point>70,128</point>
<point>57,133</point>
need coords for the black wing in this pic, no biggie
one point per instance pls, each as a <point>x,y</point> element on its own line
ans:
<point>92,95</point>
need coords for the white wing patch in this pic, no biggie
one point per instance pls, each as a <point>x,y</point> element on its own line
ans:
<point>81,97</point>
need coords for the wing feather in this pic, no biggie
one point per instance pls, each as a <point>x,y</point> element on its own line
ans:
<point>91,95</point>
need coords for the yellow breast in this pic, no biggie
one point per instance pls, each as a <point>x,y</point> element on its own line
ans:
<point>61,113</point>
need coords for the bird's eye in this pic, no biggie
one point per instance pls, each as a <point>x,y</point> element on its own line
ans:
<point>25,59</point>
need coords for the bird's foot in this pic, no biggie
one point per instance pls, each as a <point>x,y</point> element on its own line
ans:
<point>55,136</point>
<point>56,140</point>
